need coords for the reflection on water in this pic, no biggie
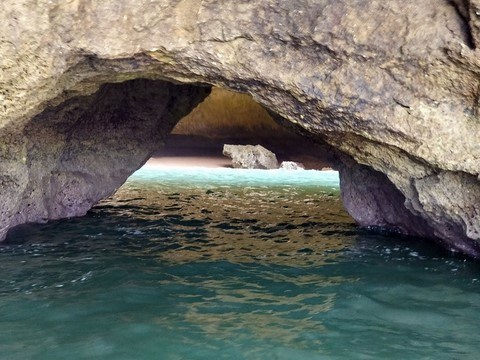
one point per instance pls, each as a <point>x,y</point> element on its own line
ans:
<point>234,220</point>
<point>253,309</point>
<point>230,264</point>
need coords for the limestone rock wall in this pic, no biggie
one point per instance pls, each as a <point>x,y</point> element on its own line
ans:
<point>393,86</point>
<point>83,149</point>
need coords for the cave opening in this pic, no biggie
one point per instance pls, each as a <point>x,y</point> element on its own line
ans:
<point>192,189</point>
<point>83,149</point>
<point>96,142</point>
<point>228,117</point>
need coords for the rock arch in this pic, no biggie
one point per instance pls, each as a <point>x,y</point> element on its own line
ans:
<point>393,96</point>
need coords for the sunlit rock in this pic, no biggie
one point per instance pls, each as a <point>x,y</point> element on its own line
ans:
<point>250,157</point>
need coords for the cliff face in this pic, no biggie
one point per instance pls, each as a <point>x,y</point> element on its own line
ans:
<point>390,88</point>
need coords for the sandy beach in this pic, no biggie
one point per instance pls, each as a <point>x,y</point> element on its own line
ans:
<point>194,151</point>
<point>188,161</point>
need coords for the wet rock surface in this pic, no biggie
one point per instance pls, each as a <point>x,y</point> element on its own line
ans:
<point>390,86</point>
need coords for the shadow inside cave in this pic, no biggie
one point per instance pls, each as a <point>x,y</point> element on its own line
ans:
<point>227,117</point>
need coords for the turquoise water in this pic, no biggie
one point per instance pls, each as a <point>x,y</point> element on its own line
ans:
<point>231,264</point>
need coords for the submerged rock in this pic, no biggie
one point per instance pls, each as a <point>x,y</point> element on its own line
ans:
<point>387,86</point>
<point>291,165</point>
<point>250,157</point>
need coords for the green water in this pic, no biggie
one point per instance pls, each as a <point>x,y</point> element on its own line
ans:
<point>231,264</point>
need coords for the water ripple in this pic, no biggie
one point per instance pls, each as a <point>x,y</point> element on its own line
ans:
<point>201,265</point>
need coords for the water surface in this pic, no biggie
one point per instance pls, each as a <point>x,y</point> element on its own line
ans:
<point>231,264</point>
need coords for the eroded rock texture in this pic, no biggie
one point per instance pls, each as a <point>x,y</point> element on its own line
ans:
<point>392,86</point>
<point>82,150</point>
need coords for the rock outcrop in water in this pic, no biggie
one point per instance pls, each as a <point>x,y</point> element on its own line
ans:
<point>250,157</point>
<point>390,88</point>
<point>291,165</point>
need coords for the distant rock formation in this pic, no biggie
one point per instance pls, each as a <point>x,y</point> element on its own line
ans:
<point>291,165</point>
<point>250,157</point>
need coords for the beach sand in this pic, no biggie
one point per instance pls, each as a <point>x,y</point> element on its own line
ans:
<point>195,151</point>
<point>188,161</point>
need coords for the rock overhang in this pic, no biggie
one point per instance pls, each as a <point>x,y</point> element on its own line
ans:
<point>395,94</point>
